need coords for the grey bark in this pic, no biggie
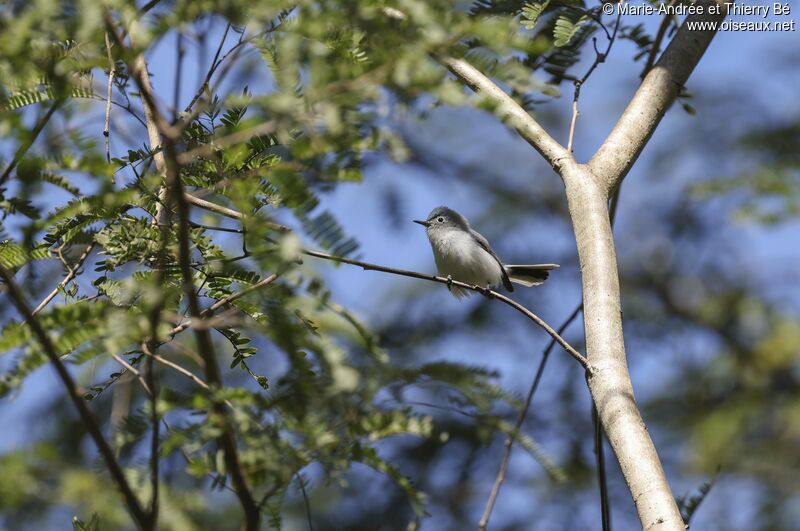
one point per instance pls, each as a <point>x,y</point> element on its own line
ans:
<point>587,188</point>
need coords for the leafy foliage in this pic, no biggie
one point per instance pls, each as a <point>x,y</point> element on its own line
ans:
<point>310,389</point>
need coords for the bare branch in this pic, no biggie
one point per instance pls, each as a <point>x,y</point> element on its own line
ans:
<point>510,111</point>
<point>506,107</point>
<point>23,149</point>
<point>656,46</point>
<point>600,57</point>
<point>655,95</point>
<point>71,273</point>
<point>210,73</point>
<point>112,71</point>
<point>501,473</point>
<point>491,294</point>
<point>602,479</point>
<point>223,301</point>
<point>307,503</point>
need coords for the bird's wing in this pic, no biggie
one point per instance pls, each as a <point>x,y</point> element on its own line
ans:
<point>483,242</point>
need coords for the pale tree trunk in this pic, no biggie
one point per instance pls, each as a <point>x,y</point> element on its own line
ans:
<point>588,187</point>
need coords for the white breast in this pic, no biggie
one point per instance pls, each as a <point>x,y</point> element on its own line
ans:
<point>458,255</point>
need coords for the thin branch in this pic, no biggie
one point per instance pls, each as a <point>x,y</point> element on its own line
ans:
<point>602,480</point>
<point>210,73</point>
<point>117,474</point>
<point>154,436</point>
<point>148,6</point>
<point>656,46</point>
<point>491,294</point>
<point>501,473</point>
<point>184,371</point>
<point>138,68</point>
<point>227,439</point>
<point>510,111</point>
<point>71,273</point>
<point>176,96</point>
<point>487,292</point>
<point>112,71</point>
<point>228,213</point>
<point>223,301</point>
<point>305,500</point>
<point>213,207</point>
<point>25,146</point>
<point>133,370</point>
<point>600,57</point>
<point>173,191</point>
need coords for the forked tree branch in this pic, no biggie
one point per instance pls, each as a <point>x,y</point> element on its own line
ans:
<point>588,189</point>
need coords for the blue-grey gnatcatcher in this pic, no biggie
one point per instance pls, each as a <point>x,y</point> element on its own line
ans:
<point>461,253</point>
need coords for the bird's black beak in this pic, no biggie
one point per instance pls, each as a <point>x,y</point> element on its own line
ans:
<point>421,222</point>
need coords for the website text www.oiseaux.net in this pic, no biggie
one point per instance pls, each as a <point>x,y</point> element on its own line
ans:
<point>740,25</point>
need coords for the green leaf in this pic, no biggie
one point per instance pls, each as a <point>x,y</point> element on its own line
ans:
<point>13,256</point>
<point>531,13</point>
<point>565,29</point>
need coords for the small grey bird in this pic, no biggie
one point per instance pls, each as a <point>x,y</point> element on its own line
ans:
<point>461,253</point>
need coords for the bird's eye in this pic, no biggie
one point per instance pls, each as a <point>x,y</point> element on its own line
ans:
<point>440,220</point>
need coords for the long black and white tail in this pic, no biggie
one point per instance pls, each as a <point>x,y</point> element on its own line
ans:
<point>530,275</point>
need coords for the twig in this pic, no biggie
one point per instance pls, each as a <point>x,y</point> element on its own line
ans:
<point>138,68</point>
<point>600,57</point>
<point>71,273</point>
<point>184,371</point>
<point>450,282</point>
<point>148,6</point>
<point>133,370</point>
<point>656,46</point>
<point>25,146</point>
<point>209,74</point>
<point>112,71</point>
<point>501,473</point>
<point>223,301</point>
<point>176,96</point>
<point>602,480</point>
<point>154,436</point>
<point>413,274</point>
<point>305,500</point>
<point>114,468</point>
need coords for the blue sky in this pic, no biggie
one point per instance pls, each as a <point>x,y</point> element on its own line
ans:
<point>762,66</point>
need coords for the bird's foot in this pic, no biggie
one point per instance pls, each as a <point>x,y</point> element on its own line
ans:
<point>486,291</point>
<point>450,282</point>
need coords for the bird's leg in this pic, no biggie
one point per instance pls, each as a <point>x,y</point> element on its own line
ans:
<point>487,291</point>
<point>449,282</point>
